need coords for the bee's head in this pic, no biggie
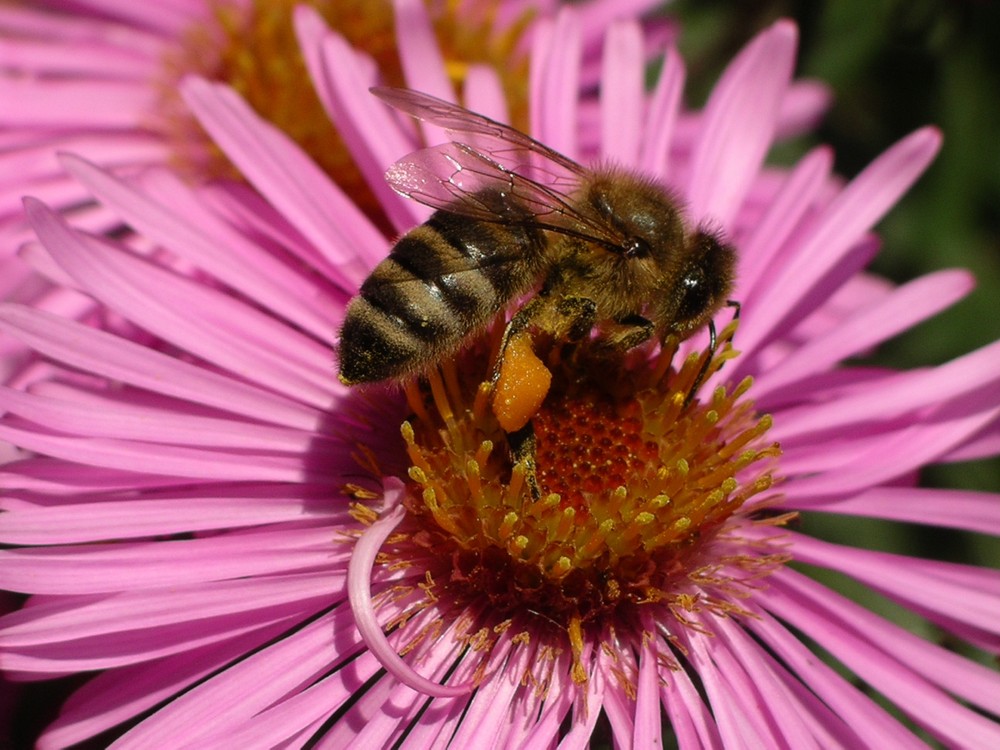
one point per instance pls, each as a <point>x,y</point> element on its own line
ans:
<point>703,281</point>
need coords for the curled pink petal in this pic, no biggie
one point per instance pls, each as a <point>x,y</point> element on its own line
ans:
<point>360,595</point>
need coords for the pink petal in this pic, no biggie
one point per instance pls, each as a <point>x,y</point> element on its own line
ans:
<point>690,718</point>
<point>129,647</point>
<point>800,191</point>
<point>128,455</point>
<point>583,718</point>
<point>965,377</point>
<point>955,509</point>
<point>168,18</point>
<point>738,125</point>
<point>25,21</point>
<point>111,697</point>
<point>223,703</point>
<point>964,593</point>
<point>69,410</point>
<point>874,459</point>
<point>359,590</point>
<point>65,619</point>
<point>893,661</point>
<point>483,93</point>
<point>165,512</point>
<point>385,710</point>
<point>488,714</point>
<point>312,705</point>
<point>107,568</point>
<point>555,68</point>
<point>736,705</point>
<point>57,479</point>
<point>419,53</point>
<point>180,221</point>
<point>663,110</point>
<point>99,59</point>
<point>288,178</point>
<point>802,108</point>
<point>648,729</point>
<point>597,15</point>
<point>866,327</point>
<point>41,161</point>
<point>984,445</point>
<point>851,214</point>
<point>435,726</point>
<point>192,315</point>
<point>70,104</point>
<point>342,78</point>
<point>622,94</point>
<point>260,229</point>
<point>875,727</point>
<point>103,354</point>
<point>619,710</point>
<point>806,720</point>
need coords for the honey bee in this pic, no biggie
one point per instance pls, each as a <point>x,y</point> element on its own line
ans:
<point>602,252</point>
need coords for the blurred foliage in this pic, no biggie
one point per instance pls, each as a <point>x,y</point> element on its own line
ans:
<point>894,66</point>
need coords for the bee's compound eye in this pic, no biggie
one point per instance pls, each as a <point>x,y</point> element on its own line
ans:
<point>636,247</point>
<point>695,294</point>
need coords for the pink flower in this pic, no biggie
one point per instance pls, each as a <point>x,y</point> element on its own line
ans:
<point>206,516</point>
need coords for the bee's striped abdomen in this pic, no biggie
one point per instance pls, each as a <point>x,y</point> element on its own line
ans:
<point>442,281</point>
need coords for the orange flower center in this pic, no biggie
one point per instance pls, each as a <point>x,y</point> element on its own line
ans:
<point>635,484</point>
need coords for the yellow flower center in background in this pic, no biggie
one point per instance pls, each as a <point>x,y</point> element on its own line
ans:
<point>635,485</point>
<point>253,48</point>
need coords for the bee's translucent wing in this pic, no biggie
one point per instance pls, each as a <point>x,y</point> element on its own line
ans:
<point>510,147</point>
<point>489,180</point>
<point>455,173</point>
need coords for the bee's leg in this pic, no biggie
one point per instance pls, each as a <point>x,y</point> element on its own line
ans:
<point>630,331</point>
<point>518,322</point>
<point>578,315</point>
<point>570,318</point>
<point>737,307</point>
<point>522,447</point>
<point>521,442</point>
<point>712,346</point>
